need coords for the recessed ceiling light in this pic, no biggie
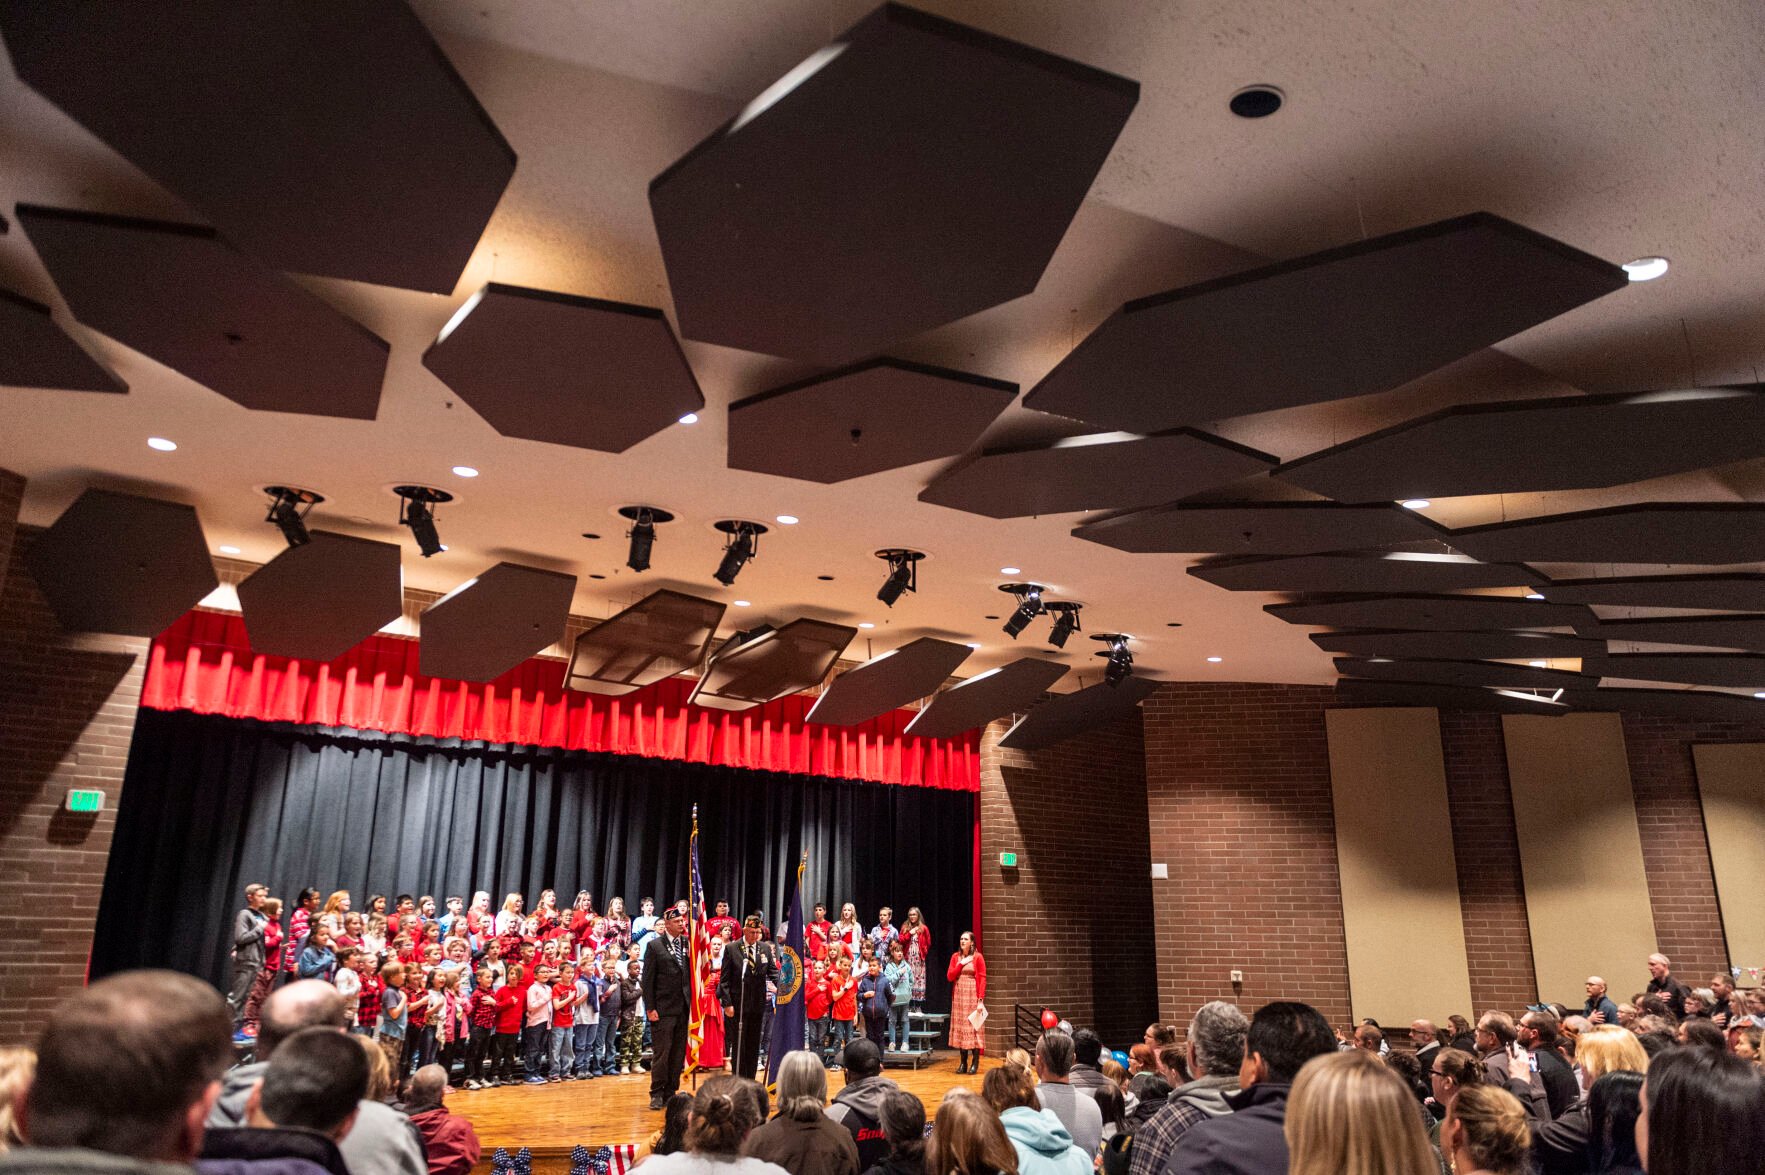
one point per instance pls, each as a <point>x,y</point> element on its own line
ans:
<point>740,603</point>
<point>1173,624</point>
<point>1011,571</point>
<point>989,618</point>
<point>1760,694</point>
<point>160,443</point>
<point>1415,503</point>
<point>589,534</point>
<point>1256,101</point>
<point>443,547</point>
<point>1535,595</point>
<point>787,520</point>
<point>1539,664</point>
<point>866,624</point>
<point>825,578</point>
<point>1216,660</point>
<point>974,644</point>
<point>690,418</point>
<point>1645,269</point>
<point>594,576</point>
<point>229,550</point>
<point>465,471</point>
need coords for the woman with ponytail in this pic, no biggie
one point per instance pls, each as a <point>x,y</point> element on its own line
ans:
<point>801,1138</point>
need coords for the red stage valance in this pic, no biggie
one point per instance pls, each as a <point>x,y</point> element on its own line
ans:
<point>204,663</point>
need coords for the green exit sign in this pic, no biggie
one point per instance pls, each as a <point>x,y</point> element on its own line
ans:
<point>1008,860</point>
<point>84,800</point>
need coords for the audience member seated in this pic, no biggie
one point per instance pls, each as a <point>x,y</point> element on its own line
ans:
<point>448,1139</point>
<point>858,1107</point>
<point>1702,1034</point>
<point>1348,1114</point>
<point>1153,1093</point>
<point>1087,1052</point>
<point>297,1113</point>
<point>725,1111</point>
<point>1077,1112</point>
<point>1486,1131</point>
<point>903,1121</point>
<point>967,1138</point>
<point>1282,1037</point>
<point>1114,1109</point>
<point>1215,1049</point>
<point>1613,1103</point>
<point>801,1138</point>
<point>1043,1145</point>
<point>1563,1146</point>
<point>1702,1113</point>
<point>676,1114</point>
<point>126,1071</point>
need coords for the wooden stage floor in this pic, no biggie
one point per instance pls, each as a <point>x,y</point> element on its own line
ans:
<point>552,1118</point>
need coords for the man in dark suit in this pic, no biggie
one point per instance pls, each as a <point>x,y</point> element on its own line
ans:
<point>666,985</point>
<point>748,966</point>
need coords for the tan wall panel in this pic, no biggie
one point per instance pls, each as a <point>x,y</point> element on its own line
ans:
<point>1731,783</point>
<point>1400,896</point>
<point>1587,896</point>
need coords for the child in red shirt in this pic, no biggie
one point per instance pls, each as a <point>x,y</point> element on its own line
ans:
<point>843,992</point>
<point>816,1007</point>
<point>481,1009</point>
<point>564,1000</point>
<point>511,1006</point>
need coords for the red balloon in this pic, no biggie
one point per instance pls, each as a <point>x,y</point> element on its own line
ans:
<point>1050,1019</point>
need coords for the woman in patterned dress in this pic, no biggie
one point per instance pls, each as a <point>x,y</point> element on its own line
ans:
<point>916,940</point>
<point>968,974</point>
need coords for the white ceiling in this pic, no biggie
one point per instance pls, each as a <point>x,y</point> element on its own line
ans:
<point>1623,128</point>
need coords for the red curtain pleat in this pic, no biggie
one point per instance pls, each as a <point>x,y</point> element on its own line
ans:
<point>204,663</point>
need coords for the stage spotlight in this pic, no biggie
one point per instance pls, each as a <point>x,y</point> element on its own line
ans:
<point>288,510</point>
<point>418,513</point>
<point>644,520</point>
<point>742,545</point>
<point>1121,662</point>
<point>1029,606</point>
<point>1066,621</point>
<point>903,573</point>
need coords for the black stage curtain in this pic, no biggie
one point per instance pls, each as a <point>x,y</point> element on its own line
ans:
<point>211,804</point>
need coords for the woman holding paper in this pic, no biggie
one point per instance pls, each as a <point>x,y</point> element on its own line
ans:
<point>968,974</point>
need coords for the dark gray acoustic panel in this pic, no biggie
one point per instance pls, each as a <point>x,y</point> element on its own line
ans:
<point>489,625</point>
<point>1654,532</point>
<point>1397,572</point>
<point>1065,716</point>
<point>1572,443</point>
<point>1730,592</point>
<point>1705,704</point>
<point>180,295</point>
<point>864,419</point>
<point>771,664</point>
<point>664,634</point>
<point>1457,646</point>
<point>1716,632</point>
<point>36,353</point>
<point>1445,697</point>
<point>1479,674</point>
<point>1260,528</point>
<point>1733,670</point>
<point>913,671</point>
<point>122,563</point>
<point>1107,471</point>
<point>986,696</point>
<point>1440,613</point>
<point>319,600</point>
<point>321,138</point>
<point>1346,322</point>
<point>556,367</point>
<point>911,173</point>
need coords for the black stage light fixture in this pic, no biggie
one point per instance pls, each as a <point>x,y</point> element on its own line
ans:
<point>1029,606</point>
<point>903,573</point>
<point>1121,662</point>
<point>418,512</point>
<point>1066,621</point>
<point>289,506</point>
<point>742,544</point>
<point>644,520</point>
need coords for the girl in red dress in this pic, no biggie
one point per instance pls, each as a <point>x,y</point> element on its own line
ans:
<point>968,972</point>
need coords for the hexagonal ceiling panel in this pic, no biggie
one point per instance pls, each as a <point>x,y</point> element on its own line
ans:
<point>1065,716</point>
<point>328,139</point>
<point>1438,613</point>
<point>1733,670</point>
<point>37,353</point>
<point>319,600</point>
<point>489,625</point>
<point>1363,318</point>
<point>1715,632</point>
<point>556,367</point>
<point>764,665</point>
<point>802,228</point>
<point>1260,528</point>
<point>183,297</point>
<point>1445,697</point>
<point>1107,471</point>
<point>1732,592</point>
<point>663,634</point>
<point>1467,673</point>
<point>1457,646</point>
<point>875,416</point>
<point>1663,532</point>
<point>1393,571</point>
<point>1573,443</point>
<point>122,563</point>
<point>898,677</point>
<point>986,696</point>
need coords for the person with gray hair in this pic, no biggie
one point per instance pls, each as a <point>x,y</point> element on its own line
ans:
<point>802,1138</point>
<point>1076,1109</point>
<point>1215,1048</point>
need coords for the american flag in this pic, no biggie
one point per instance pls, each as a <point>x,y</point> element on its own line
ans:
<point>698,956</point>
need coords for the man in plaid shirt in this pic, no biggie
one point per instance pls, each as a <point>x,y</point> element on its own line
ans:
<point>1215,1050</point>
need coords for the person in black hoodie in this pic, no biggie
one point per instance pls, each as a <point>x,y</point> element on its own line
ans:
<point>858,1107</point>
<point>903,1125</point>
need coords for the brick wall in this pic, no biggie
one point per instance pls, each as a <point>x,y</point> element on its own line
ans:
<point>12,489</point>
<point>67,713</point>
<point>1067,926</point>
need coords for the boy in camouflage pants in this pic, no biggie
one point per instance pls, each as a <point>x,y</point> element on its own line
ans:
<point>631,1021</point>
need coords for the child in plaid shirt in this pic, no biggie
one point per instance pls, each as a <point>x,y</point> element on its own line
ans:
<point>367,1015</point>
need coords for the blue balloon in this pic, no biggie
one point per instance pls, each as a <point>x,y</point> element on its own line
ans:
<point>1121,1058</point>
